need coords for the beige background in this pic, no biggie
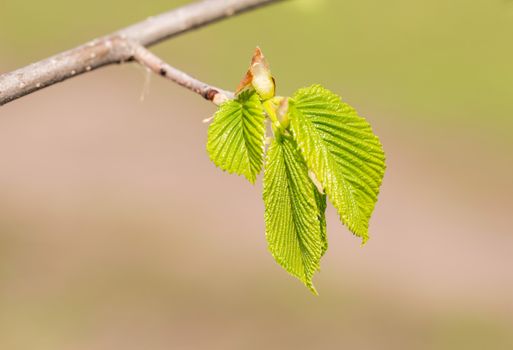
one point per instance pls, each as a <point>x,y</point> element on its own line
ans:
<point>117,232</point>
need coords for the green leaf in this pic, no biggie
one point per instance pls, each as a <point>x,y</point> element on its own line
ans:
<point>342,151</point>
<point>320,199</point>
<point>236,136</point>
<point>293,229</point>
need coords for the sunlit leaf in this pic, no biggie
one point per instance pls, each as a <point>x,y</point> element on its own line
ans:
<point>236,136</point>
<point>292,217</point>
<point>341,149</point>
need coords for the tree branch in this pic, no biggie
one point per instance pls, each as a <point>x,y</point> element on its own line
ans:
<point>157,66</point>
<point>126,45</point>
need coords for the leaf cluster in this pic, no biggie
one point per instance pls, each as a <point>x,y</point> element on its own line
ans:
<point>320,149</point>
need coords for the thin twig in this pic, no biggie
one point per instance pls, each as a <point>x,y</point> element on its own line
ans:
<point>158,66</point>
<point>119,48</point>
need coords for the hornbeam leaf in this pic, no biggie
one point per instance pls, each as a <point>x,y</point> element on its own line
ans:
<point>236,136</point>
<point>342,151</point>
<point>321,205</point>
<point>292,219</point>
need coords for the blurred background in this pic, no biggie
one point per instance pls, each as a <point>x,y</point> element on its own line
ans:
<point>116,231</point>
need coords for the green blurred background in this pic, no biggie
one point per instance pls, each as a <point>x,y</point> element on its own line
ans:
<point>116,232</point>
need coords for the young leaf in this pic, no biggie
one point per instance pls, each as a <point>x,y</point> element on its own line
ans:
<point>340,148</point>
<point>293,229</point>
<point>320,198</point>
<point>236,136</point>
<point>321,205</point>
<point>258,77</point>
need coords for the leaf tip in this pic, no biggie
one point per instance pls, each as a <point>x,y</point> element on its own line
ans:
<point>313,290</point>
<point>307,280</point>
<point>251,179</point>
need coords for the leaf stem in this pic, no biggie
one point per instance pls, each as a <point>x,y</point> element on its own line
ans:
<point>270,110</point>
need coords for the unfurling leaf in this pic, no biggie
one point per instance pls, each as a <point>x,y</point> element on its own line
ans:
<point>295,227</point>
<point>340,148</point>
<point>258,77</point>
<point>236,136</point>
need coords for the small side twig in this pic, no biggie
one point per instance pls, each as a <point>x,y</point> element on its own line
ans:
<point>151,61</point>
